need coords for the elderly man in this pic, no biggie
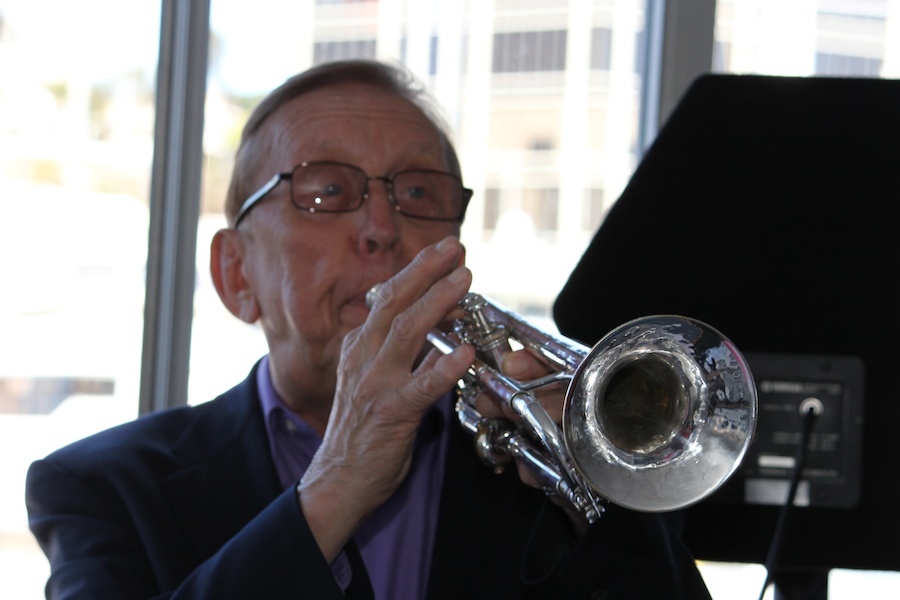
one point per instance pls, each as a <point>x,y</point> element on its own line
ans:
<point>335,469</point>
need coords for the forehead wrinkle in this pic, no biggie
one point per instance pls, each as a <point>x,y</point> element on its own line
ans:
<point>378,107</point>
<point>290,123</point>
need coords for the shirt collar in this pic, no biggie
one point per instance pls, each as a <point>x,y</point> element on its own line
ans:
<point>276,413</point>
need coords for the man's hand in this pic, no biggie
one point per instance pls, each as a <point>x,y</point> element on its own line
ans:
<point>382,393</point>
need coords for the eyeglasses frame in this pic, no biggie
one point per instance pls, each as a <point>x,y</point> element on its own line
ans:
<point>267,187</point>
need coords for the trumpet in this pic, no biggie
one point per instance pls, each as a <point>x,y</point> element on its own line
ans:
<point>657,415</point>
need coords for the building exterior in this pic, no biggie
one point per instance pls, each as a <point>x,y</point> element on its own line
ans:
<point>544,97</point>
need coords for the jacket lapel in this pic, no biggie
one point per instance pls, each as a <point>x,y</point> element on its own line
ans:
<point>229,476</point>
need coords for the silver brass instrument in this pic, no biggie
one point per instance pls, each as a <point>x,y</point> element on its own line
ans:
<point>657,415</point>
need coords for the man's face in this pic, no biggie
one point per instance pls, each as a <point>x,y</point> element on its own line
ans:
<point>310,272</point>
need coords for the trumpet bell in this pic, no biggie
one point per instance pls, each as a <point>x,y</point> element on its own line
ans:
<point>660,413</point>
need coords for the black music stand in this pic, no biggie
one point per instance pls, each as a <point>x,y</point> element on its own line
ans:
<point>769,207</point>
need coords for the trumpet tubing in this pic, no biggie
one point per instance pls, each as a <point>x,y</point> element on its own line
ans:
<point>657,415</point>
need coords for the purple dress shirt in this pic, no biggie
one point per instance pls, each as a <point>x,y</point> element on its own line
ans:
<point>396,542</point>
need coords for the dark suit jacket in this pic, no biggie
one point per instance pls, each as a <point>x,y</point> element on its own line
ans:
<point>186,504</point>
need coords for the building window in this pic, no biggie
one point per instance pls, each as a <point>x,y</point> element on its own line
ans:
<point>339,50</point>
<point>594,209</point>
<point>433,55</point>
<point>543,206</point>
<point>837,65</point>
<point>491,208</point>
<point>541,144</point>
<point>601,49</point>
<point>640,53</point>
<point>721,57</point>
<point>527,51</point>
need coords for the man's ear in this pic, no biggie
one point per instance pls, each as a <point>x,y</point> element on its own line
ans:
<point>226,265</point>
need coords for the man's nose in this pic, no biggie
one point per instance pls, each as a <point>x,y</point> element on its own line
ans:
<point>380,229</point>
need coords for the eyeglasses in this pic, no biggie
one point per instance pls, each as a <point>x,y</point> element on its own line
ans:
<point>334,187</point>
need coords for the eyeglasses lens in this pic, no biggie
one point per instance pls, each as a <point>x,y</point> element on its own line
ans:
<point>333,187</point>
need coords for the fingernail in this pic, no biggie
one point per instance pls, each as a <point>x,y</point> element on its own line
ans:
<point>446,244</point>
<point>458,274</point>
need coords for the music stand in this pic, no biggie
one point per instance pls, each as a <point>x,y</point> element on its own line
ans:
<point>769,207</point>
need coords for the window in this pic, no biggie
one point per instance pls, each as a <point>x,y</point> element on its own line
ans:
<point>492,209</point>
<point>828,37</point>
<point>329,51</point>
<point>509,92</point>
<point>542,205</point>
<point>594,209</point>
<point>433,55</point>
<point>530,211</point>
<point>528,51</point>
<point>836,65</point>
<point>76,132</point>
<point>601,48</point>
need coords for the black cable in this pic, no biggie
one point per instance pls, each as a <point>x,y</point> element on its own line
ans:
<point>781,525</point>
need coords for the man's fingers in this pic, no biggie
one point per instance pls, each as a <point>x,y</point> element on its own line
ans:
<point>401,291</point>
<point>412,304</point>
<point>444,372</point>
<point>523,365</point>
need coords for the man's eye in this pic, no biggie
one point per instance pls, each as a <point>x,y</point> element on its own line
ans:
<point>416,192</point>
<point>332,189</point>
